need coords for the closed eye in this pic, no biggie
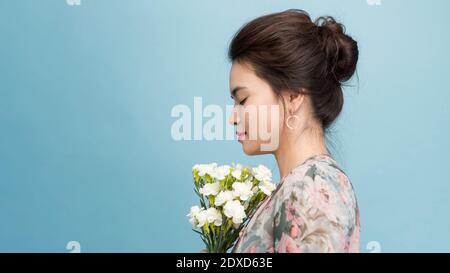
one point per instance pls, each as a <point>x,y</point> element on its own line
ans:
<point>243,101</point>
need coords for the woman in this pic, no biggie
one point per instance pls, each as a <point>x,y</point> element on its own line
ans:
<point>284,59</point>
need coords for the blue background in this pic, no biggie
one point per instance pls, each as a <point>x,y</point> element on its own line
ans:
<point>86,92</point>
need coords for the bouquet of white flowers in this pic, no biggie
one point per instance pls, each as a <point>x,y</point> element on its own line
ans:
<point>228,195</point>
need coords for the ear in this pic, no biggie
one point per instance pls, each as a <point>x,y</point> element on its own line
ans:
<point>295,100</point>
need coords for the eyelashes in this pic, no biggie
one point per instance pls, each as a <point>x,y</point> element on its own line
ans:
<point>242,101</point>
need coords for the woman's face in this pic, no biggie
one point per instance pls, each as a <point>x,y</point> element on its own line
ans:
<point>257,112</point>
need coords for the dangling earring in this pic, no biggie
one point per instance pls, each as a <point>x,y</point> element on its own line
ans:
<point>287,121</point>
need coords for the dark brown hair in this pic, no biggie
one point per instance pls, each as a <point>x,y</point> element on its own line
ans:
<point>292,53</point>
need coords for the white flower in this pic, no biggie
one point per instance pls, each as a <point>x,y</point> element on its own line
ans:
<point>204,169</point>
<point>267,187</point>
<point>243,190</point>
<point>221,172</point>
<point>195,210</point>
<point>237,172</point>
<point>223,197</point>
<point>201,218</point>
<point>262,173</point>
<point>234,209</point>
<point>214,216</point>
<point>210,189</point>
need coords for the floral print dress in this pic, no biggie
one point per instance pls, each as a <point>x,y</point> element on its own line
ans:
<point>313,209</point>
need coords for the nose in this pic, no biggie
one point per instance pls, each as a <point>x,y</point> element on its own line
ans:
<point>234,117</point>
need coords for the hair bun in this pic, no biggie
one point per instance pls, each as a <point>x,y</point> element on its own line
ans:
<point>340,49</point>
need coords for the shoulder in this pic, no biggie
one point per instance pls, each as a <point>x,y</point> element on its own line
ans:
<point>319,188</point>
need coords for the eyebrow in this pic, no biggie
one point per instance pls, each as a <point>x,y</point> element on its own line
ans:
<point>236,89</point>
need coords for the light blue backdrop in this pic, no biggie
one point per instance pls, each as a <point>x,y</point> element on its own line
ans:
<point>86,93</point>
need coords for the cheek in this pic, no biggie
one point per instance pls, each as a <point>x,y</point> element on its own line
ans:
<point>248,118</point>
<point>263,118</point>
<point>280,120</point>
<point>272,118</point>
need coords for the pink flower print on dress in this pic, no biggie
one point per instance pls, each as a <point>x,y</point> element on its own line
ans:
<point>291,214</point>
<point>287,244</point>
<point>252,249</point>
<point>322,198</point>
<point>295,231</point>
<point>343,180</point>
<point>355,237</point>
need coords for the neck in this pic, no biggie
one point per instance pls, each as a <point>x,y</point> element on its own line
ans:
<point>294,150</point>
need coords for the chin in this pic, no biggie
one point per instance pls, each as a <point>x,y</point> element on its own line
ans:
<point>253,149</point>
<point>249,148</point>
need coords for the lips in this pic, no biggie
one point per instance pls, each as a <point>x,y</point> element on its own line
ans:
<point>240,136</point>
